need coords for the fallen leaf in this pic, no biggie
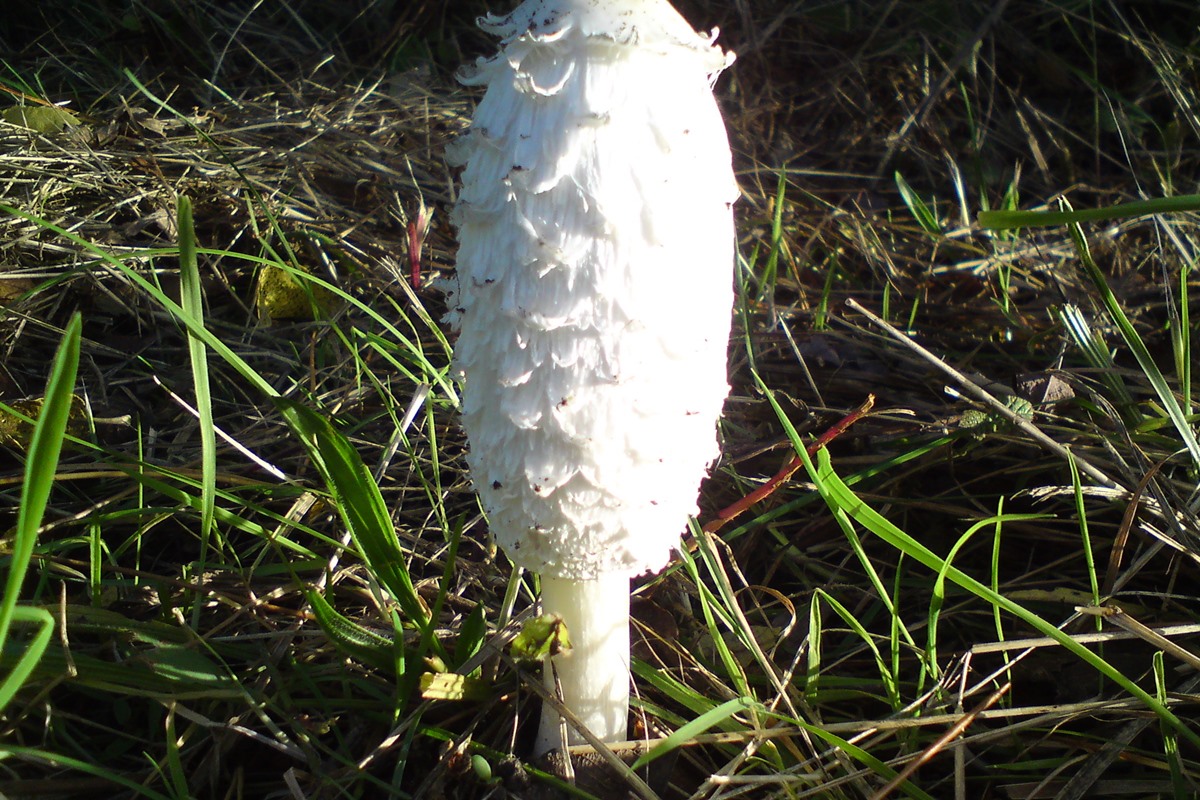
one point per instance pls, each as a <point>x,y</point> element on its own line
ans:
<point>1043,388</point>
<point>451,686</point>
<point>43,119</point>
<point>279,295</point>
<point>12,288</point>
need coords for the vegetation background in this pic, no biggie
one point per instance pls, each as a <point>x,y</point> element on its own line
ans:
<point>242,558</point>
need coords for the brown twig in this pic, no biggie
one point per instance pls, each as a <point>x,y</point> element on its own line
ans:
<point>727,514</point>
<point>946,738</point>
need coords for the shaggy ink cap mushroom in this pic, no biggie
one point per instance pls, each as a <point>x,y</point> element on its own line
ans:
<point>594,290</point>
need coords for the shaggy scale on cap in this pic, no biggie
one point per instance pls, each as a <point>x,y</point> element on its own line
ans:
<point>594,282</point>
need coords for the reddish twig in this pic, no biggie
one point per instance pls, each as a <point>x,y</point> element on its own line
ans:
<point>725,515</point>
<point>29,98</point>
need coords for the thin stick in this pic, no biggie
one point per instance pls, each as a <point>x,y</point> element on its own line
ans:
<point>1118,616</point>
<point>946,738</point>
<point>983,396</point>
<point>727,514</point>
<point>1117,555</point>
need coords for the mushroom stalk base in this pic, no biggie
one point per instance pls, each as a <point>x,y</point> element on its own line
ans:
<point>594,673</point>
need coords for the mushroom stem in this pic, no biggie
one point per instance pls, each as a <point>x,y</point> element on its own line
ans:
<point>594,673</point>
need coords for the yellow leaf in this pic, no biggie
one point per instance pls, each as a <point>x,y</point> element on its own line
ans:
<point>43,119</point>
<point>280,296</point>
<point>451,686</point>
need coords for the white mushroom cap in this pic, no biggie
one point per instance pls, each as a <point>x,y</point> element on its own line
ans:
<point>595,282</point>
<point>646,23</point>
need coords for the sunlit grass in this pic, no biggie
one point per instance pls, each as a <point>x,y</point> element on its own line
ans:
<point>41,466</point>
<point>261,539</point>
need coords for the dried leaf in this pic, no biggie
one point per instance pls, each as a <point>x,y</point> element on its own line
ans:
<point>11,289</point>
<point>1043,388</point>
<point>43,119</point>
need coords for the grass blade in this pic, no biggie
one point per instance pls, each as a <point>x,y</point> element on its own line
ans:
<point>699,725</point>
<point>40,467</point>
<point>59,761</point>
<point>922,213</point>
<point>31,654</point>
<point>176,310</point>
<point>839,496</point>
<point>1134,342</point>
<point>1092,345</point>
<point>192,300</point>
<point>1001,220</point>
<point>362,508</point>
<point>351,638</point>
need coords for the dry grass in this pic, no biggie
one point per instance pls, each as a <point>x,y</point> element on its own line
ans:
<point>193,666</point>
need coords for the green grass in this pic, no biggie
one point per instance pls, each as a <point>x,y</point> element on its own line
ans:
<point>41,463</point>
<point>242,557</point>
